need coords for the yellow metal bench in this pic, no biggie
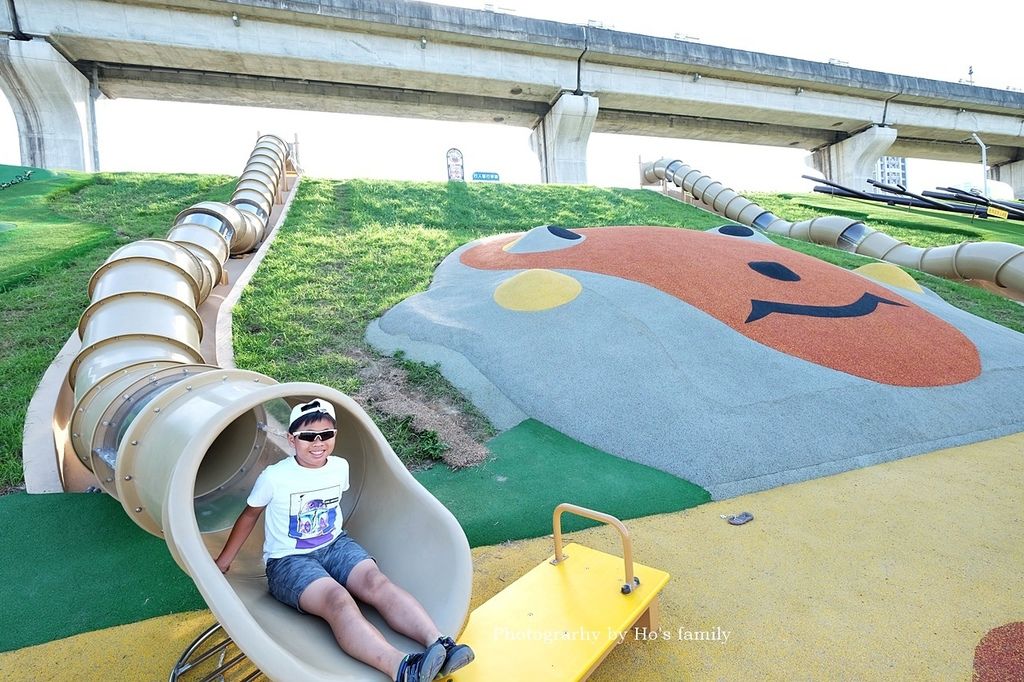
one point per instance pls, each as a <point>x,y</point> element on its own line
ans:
<point>560,620</point>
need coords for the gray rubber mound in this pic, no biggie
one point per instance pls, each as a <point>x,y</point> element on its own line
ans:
<point>545,238</point>
<point>741,232</point>
<point>636,372</point>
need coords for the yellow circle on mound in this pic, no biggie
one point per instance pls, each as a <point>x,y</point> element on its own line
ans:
<point>536,290</point>
<point>887,273</point>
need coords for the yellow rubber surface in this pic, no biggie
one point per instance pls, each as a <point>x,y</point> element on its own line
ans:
<point>895,571</point>
<point>535,290</point>
<point>139,651</point>
<point>889,274</point>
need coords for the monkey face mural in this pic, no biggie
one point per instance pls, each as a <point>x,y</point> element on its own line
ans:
<point>785,300</point>
<point>723,359</point>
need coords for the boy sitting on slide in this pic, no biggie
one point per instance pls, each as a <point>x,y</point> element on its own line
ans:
<point>315,567</point>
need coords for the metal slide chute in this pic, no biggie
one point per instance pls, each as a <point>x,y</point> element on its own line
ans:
<point>218,423</point>
<point>179,442</point>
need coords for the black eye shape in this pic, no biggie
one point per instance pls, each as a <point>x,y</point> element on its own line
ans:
<point>562,232</point>
<point>774,270</point>
<point>736,231</point>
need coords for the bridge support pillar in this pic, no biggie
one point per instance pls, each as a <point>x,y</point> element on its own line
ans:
<point>52,105</point>
<point>1012,174</point>
<point>852,161</point>
<point>560,139</point>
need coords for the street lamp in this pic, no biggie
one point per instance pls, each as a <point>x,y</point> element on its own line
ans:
<point>984,161</point>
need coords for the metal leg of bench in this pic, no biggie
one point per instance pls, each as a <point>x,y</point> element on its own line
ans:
<point>649,620</point>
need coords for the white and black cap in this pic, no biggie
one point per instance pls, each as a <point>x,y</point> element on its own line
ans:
<point>317,406</point>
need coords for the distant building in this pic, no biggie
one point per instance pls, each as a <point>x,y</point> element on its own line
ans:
<point>892,170</point>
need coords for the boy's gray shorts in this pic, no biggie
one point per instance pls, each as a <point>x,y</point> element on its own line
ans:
<point>289,576</point>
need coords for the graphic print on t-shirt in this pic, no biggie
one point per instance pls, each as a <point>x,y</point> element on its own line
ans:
<point>312,515</point>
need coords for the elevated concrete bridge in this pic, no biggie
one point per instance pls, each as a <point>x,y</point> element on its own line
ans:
<point>420,60</point>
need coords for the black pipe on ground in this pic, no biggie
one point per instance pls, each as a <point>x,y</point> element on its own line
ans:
<point>1011,207</point>
<point>843,193</point>
<point>895,200</point>
<point>900,190</point>
<point>848,190</point>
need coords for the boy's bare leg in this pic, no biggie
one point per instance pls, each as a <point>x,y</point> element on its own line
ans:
<point>357,636</point>
<point>399,608</point>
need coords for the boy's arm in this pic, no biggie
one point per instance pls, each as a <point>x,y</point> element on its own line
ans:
<point>239,534</point>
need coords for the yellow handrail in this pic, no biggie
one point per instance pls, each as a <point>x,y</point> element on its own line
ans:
<point>627,543</point>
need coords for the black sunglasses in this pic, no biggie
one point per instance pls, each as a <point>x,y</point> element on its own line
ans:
<point>310,436</point>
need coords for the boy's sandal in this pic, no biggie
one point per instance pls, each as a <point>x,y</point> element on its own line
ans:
<point>740,519</point>
<point>456,656</point>
<point>421,667</point>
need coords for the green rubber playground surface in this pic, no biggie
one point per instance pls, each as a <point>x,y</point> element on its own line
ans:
<point>534,468</point>
<point>75,563</point>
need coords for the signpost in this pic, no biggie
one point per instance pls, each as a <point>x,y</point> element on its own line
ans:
<point>456,170</point>
<point>484,176</point>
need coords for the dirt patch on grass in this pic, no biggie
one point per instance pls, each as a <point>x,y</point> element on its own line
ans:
<point>386,389</point>
<point>9,489</point>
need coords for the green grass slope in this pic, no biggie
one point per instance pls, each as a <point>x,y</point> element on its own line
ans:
<point>352,250</point>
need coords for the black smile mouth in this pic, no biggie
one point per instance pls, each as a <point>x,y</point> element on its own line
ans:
<point>865,305</point>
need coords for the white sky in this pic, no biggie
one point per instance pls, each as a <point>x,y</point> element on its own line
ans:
<point>911,37</point>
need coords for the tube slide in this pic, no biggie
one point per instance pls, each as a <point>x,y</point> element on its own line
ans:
<point>180,442</point>
<point>997,262</point>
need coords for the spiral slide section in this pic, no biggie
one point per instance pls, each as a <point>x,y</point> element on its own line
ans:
<point>996,262</point>
<point>180,442</point>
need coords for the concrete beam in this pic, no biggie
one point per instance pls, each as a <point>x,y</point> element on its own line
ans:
<point>1012,174</point>
<point>964,151</point>
<point>432,60</point>
<point>291,93</point>
<point>296,45</point>
<point>606,46</point>
<point>51,103</point>
<point>179,85</point>
<point>560,139</point>
<point>506,33</point>
<point>852,161</point>
<point>711,129</point>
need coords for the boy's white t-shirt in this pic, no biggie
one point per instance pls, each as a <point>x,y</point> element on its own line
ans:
<point>303,505</point>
